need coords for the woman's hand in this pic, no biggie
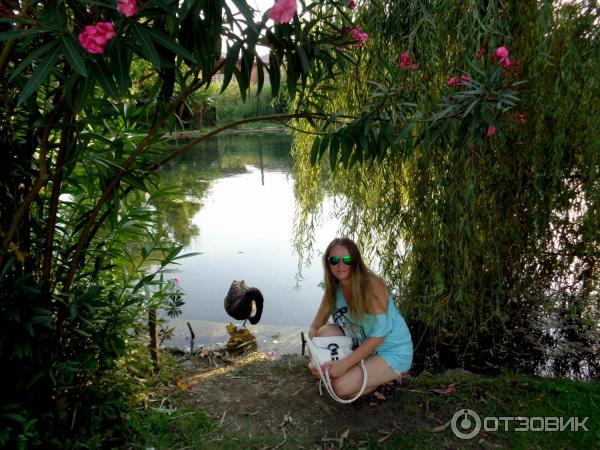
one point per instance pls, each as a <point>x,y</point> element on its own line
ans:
<point>336,368</point>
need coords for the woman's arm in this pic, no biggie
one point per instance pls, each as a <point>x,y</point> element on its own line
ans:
<point>320,319</point>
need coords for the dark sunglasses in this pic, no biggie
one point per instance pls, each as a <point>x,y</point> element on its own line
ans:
<point>335,260</point>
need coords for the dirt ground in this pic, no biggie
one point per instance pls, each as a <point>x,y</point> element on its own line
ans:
<point>255,395</point>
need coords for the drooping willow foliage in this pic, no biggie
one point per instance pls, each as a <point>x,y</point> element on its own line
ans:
<point>481,200</point>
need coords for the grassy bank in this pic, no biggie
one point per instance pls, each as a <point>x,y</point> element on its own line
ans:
<point>416,414</point>
<point>212,108</point>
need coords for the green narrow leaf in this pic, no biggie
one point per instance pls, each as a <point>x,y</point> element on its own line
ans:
<point>292,79</point>
<point>406,130</point>
<point>470,107</point>
<point>30,58</point>
<point>382,143</point>
<point>8,266</point>
<point>260,68</point>
<point>243,78</point>
<point>73,56</point>
<point>314,151</point>
<point>230,64</point>
<point>274,74</point>
<point>40,74</point>
<point>147,49</point>
<point>242,6</point>
<point>242,83</point>
<point>346,146</point>
<point>120,65</point>
<point>168,43</point>
<point>357,156</point>
<point>135,181</point>
<point>303,59</point>
<point>333,151</point>
<point>14,34</point>
<point>172,254</point>
<point>324,145</point>
<point>105,77</point>
<point>387,132</point>
<point>187,255</point>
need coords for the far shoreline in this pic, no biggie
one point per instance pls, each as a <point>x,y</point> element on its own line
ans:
<point>191,134</point>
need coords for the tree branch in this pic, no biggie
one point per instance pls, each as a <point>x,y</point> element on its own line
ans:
<point>54,199</point>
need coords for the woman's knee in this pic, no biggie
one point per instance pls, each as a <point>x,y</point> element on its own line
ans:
<point>344,387</point>
<point>340,386</point>
<point>329,329</point>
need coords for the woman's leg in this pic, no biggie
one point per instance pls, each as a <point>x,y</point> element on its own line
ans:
<point>329,329</point>
<point>378,373</point>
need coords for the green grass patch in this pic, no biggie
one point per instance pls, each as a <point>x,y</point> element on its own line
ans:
<point>170,428</point>
<point>507,396</point>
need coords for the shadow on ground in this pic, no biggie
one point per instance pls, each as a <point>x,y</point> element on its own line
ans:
<point>254,395</point>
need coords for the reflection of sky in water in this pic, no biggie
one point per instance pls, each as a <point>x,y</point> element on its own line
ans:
<point>246,232</point>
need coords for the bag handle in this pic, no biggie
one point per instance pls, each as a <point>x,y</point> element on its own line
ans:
<point>327,379</point>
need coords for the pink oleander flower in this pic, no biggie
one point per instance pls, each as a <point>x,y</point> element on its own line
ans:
<point>502,54</point>
<point>453,81</point>
<point>358,36</point>
<point>94,38</point>
<point>351,4</point>
<point>177,280</point>
<point>465,79</point>
<point>127,7</point>
<point>405,60</point>
<point>272,354</point>
<point>491,130</point>
<point>415,66</point>
<point>283,11</point>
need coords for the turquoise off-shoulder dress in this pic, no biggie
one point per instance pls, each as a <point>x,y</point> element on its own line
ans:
<point>397,347</point>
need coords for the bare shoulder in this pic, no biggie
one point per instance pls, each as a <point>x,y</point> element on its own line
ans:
<point>379,295</point>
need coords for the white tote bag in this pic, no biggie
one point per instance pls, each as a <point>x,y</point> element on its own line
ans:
<point>333,348</point>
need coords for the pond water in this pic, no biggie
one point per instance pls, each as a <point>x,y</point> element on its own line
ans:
<point>238,214</point>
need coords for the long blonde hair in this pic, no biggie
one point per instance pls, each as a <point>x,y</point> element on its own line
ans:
<point>361,278</point>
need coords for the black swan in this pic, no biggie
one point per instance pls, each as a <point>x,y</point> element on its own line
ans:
<point>243,302</point>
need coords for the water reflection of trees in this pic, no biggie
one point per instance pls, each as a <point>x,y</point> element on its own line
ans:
<point>188,179</point>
